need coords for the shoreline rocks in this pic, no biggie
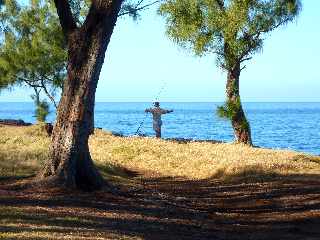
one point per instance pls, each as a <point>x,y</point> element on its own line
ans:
<point>14,122</point>
<point>48,127</point>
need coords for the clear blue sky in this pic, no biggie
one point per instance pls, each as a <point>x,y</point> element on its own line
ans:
<point>141,59</point>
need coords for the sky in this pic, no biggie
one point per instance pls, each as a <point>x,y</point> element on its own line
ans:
<point>142,64</point>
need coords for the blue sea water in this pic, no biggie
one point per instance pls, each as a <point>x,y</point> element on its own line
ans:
<point>293,126</point>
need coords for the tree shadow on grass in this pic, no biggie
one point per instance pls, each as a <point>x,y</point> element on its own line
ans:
<point>13,168</point>
<point>270,206</point>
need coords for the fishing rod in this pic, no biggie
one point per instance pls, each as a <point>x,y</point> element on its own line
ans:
<point>155,100</point>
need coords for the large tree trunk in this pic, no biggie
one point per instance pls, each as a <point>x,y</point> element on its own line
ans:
<point>239,122</point>
<point>70,162</point>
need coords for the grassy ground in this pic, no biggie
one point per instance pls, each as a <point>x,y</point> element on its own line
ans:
<point>167,190</point>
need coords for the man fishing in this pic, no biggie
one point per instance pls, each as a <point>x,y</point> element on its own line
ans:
<point>156,114</point>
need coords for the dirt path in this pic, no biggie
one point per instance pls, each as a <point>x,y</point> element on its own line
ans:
<point>147,207</point>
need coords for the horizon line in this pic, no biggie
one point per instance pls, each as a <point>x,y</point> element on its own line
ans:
<point>318,101</point>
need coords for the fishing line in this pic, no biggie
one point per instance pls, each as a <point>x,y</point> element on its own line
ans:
<point>155,100</point>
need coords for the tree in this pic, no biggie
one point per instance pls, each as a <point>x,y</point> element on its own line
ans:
<point>233,30</point>
<point>42,107</point>
<point>80,38</point>
<point>32,47</point>
<point>87,40</point>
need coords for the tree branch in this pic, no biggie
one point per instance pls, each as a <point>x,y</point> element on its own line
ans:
<point>137,8</point>
<point>245,59</point>
<point>255,36</point>
<point>100,11</point>
<point>37,95</point>
<point>218,53</point>
<point>31,84</point>
<point>48,94</point>
<point>67,21</point>
<point>243,68</point>
<point>221,4</point>
<point>35,85</point>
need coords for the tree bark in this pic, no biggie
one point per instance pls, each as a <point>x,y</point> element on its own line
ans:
<point>239,122</point>
<point>69,161</point>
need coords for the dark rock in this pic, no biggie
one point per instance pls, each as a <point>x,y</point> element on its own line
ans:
<point>117,134</point>
<point>13,122</point>
<point>49,128</point>
<point>142,135</point>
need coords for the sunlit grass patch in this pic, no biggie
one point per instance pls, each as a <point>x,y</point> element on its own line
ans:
<point>195,160</point>
<point>23,153</point>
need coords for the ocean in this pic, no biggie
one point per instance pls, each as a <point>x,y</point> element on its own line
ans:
<point>293,126</point>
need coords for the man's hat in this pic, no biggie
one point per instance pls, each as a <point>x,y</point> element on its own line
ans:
<point>156,104</point>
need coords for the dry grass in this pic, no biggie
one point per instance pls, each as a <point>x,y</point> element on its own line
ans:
<point>23,149</point>
<point>163,208</point>
<point>199,160</point>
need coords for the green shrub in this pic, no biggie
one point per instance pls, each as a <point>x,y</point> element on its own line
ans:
<point>42,110</point>
<point>229,109</point>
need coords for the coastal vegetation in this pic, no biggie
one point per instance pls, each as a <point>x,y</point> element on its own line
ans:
<point>42,110</point>
<point>25,149</point>
<point>232,30</point>
<point>141,187</point>
<point>87,38</point>
<point>32,48</point>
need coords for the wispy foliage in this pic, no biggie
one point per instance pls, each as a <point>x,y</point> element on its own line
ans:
<point>131,8</point>
<point>32,47</point>
<point>234,29</point>
<point>42,109</point>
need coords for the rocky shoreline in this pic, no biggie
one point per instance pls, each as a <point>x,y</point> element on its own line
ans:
<point>20,123</point>
<point>14,122</point>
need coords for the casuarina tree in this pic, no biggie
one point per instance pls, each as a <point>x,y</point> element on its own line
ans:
<point>32,47</point>
<point>233,30</point>
<point>87,38</point>
<point>43,41</point>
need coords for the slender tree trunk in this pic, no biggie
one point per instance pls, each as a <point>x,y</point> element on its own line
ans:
<point>70,162</point>
<point>239,122</point>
